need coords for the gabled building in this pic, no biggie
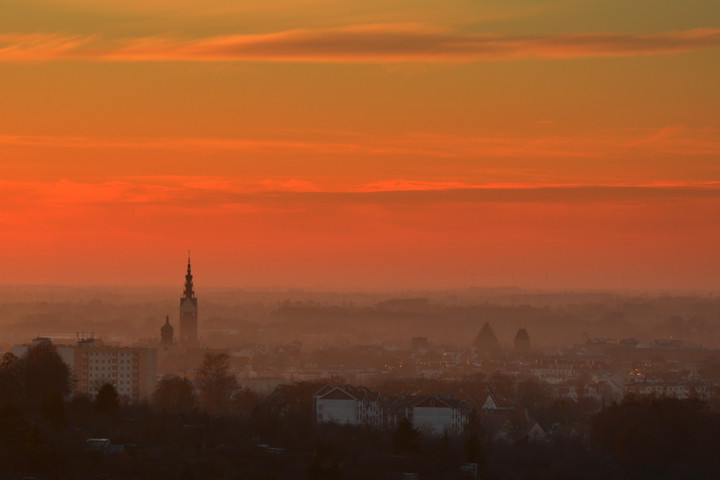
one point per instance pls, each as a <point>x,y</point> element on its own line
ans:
<point>432,414</point>
<point>494,402</point>
<point>513,428</point>
<point>348,405</point>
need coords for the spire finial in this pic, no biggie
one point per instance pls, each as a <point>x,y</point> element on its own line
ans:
<point>189,280</point>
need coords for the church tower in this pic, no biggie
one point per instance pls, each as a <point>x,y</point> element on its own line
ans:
<point>188,312</point>
<point>522,343</point>
<point>167,331</point>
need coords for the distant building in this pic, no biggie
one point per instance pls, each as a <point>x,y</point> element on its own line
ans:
<point>513,428</point>
<point>188,312</point>
<point>522,343</point>
<point>680,390</point>
<point>486,342</point>
<point>348,405</point>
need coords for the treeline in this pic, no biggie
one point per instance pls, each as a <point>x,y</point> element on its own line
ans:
<point>211,428</point>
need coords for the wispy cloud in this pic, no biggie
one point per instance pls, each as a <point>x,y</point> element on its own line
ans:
<point>669,139</point>
<point>41,47</point>
<point>200,193</point>
<point>383,43</point>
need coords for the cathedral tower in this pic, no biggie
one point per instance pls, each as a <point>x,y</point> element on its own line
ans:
<point>188,312</point>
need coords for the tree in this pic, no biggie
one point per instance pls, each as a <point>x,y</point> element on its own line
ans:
<point>473,449</point>
<point>215,383</point>
<point>244,402</point>
<point>174,394</point>
<point>406,438</point>
<point>45,374</point>
<point>11,380</point>
<point>107,399</point>
<point>54,411</point>
<point>653,431</point>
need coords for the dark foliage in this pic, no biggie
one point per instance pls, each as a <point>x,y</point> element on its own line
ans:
<point>215,383</point>
<point>660,434</point>
<point>174,394</point>
<point>31,380</point>
<point>406,438</point>
<point>107,399</point>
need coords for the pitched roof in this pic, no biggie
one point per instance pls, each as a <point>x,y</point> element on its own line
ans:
<point>497,400</point>
<point>345,392</point>
<point>486,339</point>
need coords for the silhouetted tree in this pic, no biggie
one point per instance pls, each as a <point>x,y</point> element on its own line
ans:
<point>406,438</point>
<point>13,427</point>
<point>34,440</point>
<point>215,383</point>
<point>655,431</point>
<point>325,466</point>
<point>45,374</point>
<point>473,449</point>
<point>174,394</point>
<point>186,472</point>
<point>107,399</point>
<point>54,411</point>
<point>11,380</point>
<point>474,424</point>
<point>320,472</point>
<point>244,402</point>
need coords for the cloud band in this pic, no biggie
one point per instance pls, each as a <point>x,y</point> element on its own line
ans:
<point>365,44</point>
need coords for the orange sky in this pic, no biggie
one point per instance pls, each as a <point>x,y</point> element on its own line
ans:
<point>362,144</point>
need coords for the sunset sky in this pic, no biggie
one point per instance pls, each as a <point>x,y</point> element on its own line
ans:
<point>361,143</point>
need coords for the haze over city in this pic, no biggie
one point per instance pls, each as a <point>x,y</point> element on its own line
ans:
<point>383,240</point>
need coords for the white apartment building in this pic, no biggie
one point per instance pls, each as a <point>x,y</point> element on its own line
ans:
<point>347,405</point>
<point>131,370</point>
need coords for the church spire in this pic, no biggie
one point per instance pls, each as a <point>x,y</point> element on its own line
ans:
<point>189,293</point>
<point>188,311</point>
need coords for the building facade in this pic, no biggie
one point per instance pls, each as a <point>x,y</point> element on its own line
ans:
<point>348,405</point>
<point>432,414</point>
<point>131,370</point>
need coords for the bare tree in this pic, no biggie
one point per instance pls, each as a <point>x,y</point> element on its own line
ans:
<point>174,394</point>
<point>215,383</point>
